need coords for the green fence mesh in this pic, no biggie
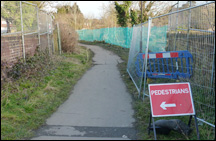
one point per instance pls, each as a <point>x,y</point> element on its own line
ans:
<point>122,36</point>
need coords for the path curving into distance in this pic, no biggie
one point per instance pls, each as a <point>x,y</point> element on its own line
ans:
<point>99,107</point>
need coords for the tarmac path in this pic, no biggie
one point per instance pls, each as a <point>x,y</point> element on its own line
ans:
<point>99,107</point>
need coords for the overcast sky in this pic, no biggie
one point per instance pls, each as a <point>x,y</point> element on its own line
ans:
<point>93,9</point>
<point>88,8</point>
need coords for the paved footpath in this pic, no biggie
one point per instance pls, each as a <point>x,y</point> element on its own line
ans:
<point>99,107</point>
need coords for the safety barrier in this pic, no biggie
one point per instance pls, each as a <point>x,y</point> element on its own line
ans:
<point>172,64</point>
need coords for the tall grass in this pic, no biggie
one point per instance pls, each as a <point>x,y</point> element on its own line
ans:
<point>27,101</point>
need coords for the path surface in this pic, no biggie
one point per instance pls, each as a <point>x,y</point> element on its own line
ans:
<point>99,107</point>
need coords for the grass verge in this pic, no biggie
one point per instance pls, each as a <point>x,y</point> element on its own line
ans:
<point>27,103</point>
<point>142,108</point>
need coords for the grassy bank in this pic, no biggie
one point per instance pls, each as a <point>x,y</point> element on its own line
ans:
<point>27,103</point>
<point>142,108</point>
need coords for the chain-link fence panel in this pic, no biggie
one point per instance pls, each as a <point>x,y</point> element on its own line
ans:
<point>10,17</point>
<point>29,17</point>
<point>21,20</point>
<point>42,18</point>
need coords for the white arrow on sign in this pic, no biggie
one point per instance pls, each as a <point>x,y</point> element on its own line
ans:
<point>164,105</point>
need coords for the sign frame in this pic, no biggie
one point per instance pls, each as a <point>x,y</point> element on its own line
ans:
<point>182,114</point>
<point>190,114</point>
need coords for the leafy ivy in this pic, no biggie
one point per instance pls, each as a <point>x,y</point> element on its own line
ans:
<point>123,12</point>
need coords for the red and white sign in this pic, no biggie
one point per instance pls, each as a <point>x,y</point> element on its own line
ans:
<point>171,99</point>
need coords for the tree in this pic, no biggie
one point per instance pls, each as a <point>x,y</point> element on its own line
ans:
<point>72,12</point>
<point>123,12</point>
<point>149,9</point>
<point>146,10</point>
<point>162,7</point>
<point>41,4</point>
<point>109,16</point>
<point>78,16</point>
<point>133,16</point>
<point>9,12</point>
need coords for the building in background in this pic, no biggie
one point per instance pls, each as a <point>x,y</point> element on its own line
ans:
<point>4,28</point>
<point>3,25</point>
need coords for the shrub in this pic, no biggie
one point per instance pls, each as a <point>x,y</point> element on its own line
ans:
<point>69,37</point>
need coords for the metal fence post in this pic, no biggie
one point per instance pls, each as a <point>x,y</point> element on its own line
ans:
<point>141,31</point>
<point>146,54</point>
<point>38,28</point>
<point>169,25</point>
<point>189,20</point>
<point>48,33</point>
<point>213,68</point>
<point>141,49</point>
<point>53,47</point>
<point>176,27</point>
<point>141,52</point>
<point>23,42</point>
<point>53,42</point>
<point>59,38</point>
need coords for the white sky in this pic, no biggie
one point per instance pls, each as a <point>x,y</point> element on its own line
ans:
<point>93,9</point>
<point>88,8</point>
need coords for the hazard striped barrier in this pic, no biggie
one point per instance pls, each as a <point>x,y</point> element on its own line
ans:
<point>173,64</point>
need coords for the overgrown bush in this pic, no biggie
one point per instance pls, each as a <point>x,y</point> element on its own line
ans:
<point>69,37</point>
<point>36,64</point>
<point>5,67</point>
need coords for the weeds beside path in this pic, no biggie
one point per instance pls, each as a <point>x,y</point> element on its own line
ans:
<point>26,103</point>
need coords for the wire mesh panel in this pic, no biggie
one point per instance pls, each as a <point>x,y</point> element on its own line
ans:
<point>24,25</point>
<point>190,31</point>
<point>135,65</point>
<point>159,35</point>
<point>196,34</point>
<point>134,50</point>
<point>42,22</point>
<point>30,28</point>
<point>50,31</point>
<point>29,16</point>
<point>10,17</point>
<point>31,44</point>
<point>44,42</point>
